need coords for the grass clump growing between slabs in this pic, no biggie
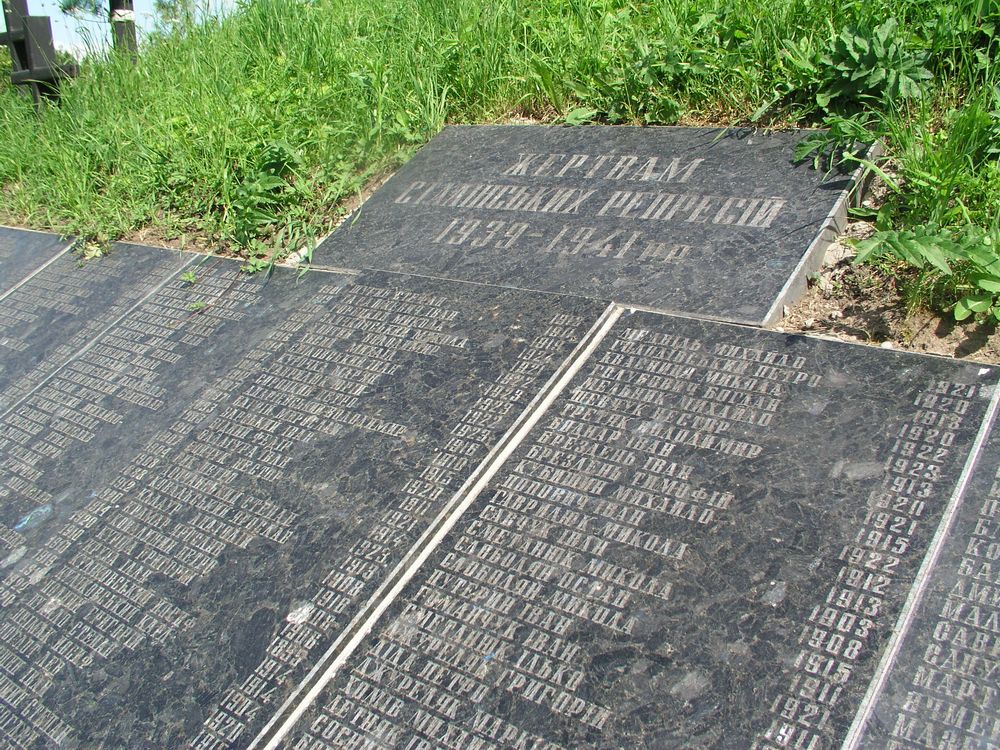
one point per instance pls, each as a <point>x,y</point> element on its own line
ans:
<point>251,130</point>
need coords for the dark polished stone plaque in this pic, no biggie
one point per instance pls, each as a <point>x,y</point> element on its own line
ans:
<point>714,223</point>
<point>22,252</point>
<point>706,541</point>
<point>941,686</point>
<point>64,306</point>
<point>196,504</point>
<point>89,412</point>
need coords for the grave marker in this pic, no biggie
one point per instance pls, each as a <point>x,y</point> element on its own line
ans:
<point>701,221</point>
<point>342,510</point>
<point>941,685</point>
<point>64,305</point>
<point>197,504</point>
<point>705,542</point>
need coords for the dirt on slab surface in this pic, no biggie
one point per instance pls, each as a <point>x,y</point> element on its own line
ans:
<point>863,305</point>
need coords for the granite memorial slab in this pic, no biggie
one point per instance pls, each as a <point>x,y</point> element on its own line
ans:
<point>714,223</point>
<point>705,542</point>
<point>88,415</point>
<point>70,434</point>
<point>65,305</point>
<point>197,504</point>
<point>940,686</point>
<point>23,251</point>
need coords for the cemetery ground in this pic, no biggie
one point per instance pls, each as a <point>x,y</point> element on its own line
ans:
<point>520,461</point>
<point>870,304</point>
<point>251,135</point>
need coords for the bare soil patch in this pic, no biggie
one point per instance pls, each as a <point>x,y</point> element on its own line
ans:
<point>863,305</point>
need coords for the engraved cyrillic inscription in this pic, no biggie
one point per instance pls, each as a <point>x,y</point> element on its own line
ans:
<point>574,239</point>
<point>683,552</point>
<point>86,591</point>
<point>943,688</point>
<point>569,540</point>
<point>843,628</point>
<point>368,561</point>
<point>332,420</point>
<point>124,370</point>
<point>59,310</point>
<point>666,218</point>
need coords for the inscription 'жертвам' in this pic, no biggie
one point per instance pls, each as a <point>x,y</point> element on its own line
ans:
<point>647,216</point>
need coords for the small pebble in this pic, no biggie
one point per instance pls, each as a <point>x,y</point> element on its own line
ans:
<point>886,345</point>
<point>808,323</point>
<point>836,315</point>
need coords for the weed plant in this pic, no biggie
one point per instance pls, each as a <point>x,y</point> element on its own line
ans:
<point>253,129</point>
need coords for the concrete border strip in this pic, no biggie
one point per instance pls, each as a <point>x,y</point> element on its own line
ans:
<point>344,646</point>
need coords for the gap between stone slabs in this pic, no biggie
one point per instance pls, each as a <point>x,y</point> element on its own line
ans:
<point>288,714</point>
<point>923,578</point>
<point>53,259</point>
<point>285,719</point>
<point>833,227</point>
<point>506,319</point>
<point>924,380</point>
<point>942,687</point>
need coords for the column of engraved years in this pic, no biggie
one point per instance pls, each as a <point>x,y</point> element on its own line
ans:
<point>326,612</point>
<point>77,598</point>
<point>77,297</point>
<point>841,631</point>
<point>568,543</point>
<point>951,699</point>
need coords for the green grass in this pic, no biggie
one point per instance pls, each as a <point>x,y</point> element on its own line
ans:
<point>252,131</point>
